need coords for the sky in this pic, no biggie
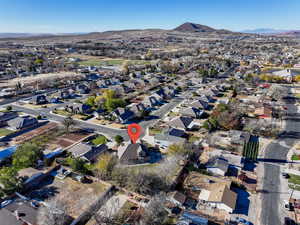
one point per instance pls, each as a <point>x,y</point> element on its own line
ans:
<point>67,16</point>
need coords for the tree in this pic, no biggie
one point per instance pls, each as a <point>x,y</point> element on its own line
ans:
<point>9,181</point>
<point>119,139</point>
<point>77,164</point>
<point>105,165</point>
<point>9,108</point>
<point>68,123</point>
<point>91,101</point>
<point>155,212</point>
<point>54,214</point>
<point>26,155</point>
<point>99,140</point>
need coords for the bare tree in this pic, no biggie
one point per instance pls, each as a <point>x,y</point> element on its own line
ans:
<point>53,214</point>
<point>68,123</point>
<point>155,212</point>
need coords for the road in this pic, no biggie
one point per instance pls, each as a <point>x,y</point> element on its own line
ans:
<point>276,153</point>
<point>111,132</point>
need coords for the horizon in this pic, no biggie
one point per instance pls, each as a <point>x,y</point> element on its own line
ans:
<point>68,16</point>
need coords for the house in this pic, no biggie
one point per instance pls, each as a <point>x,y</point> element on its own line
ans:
<point>78,108</point>
<point>181,122</point>
<point>171,136</point>
<point>177,198</point>
<point>21,123</point>
<point>286,74</point>
<point>129,153</point>
<point>199,104</point>
<point>218,166</point>
<point>19,213</point>
<point>31,176</point>
<point>65,94</point>
<point>151,101</point>
<point>192,112</point>
<point>219,196</point>
<point>87,152</point>
<point>38,100</point>
<point>82,89</point>
<point>263,112</point>
<point>123,115</point>
<point>137,108</point>
<point>9,218</point>
<point>6,116</point>
<point>238,137</point>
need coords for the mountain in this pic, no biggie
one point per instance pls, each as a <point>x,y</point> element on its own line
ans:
<point>292,33</point>
<point>28,35</point>
<point>264,31</point>
<point>193,27</point>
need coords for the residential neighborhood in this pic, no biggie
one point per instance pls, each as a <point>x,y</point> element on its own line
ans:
<point>218,118</point>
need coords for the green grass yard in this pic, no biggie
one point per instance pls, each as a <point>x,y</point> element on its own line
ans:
<point>5,132</point>
<point>294,179</point>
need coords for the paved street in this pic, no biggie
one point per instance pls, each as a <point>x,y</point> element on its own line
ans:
<point>276,154</point>
<point>163,110</point>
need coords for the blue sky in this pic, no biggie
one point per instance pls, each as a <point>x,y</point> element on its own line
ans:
<point>63,16</point>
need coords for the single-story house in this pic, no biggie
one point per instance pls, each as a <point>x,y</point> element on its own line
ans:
<point>218,166</point>
<point>192,112</point>
<point>129,153</point>
<point>23,122</point>
<point>78,108</point>
<point>177,198</point>
<point>171,136</point>
<point>181,122</point>
<point>151,101</point>
<point>5,116</point>
<point>19,213</point>
<point>123,115</point>
<point>87,152</point>
<point>199,104</point>
<point>31,176</point>
<point>219,196</point>
<point>38,100</point>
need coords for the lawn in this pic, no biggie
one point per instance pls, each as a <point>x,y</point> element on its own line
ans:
<point>295,157</point>
<point>99,140</point>
<point>294,179</point>
<point>297,95</point>
<point>62,112</point>
<point>5,132</point>
<point>154,131</point>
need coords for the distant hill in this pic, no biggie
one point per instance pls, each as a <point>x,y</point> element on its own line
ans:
<point>28,35</point>
<point>292,33</point>
<point>193,27</point>
<point>263,31</point>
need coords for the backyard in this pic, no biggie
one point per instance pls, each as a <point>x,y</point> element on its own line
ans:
<point>5,132</point>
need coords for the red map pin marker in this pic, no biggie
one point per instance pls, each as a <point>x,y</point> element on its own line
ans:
<point>134,132</point>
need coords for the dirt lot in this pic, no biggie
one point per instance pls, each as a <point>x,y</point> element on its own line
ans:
<point>44,77</point>
<point>75,195</point>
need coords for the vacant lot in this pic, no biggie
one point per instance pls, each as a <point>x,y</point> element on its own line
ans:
<point>76,196</point>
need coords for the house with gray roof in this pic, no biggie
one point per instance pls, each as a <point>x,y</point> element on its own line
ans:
<point>182,122</point>
<point>199,104</point>
<point>192,112</point>
<point>20,123</point>
<point>129,153</point>
<point>87,152</point>
<point>123,115</point>
<point>218,166</point>
<point>38,100</point>
<point>6,116</point>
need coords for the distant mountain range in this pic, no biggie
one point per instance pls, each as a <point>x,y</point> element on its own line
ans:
<point>24,35</point>
<point>185,28</point>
